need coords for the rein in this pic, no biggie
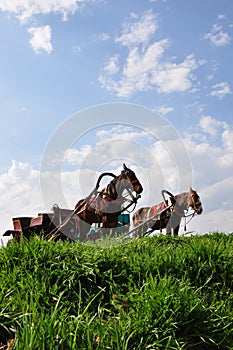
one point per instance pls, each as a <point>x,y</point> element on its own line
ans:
<point>191,204</point>
<point>100,178</point>
<point>87,201</point>
<point>114,197</point>
<point>167,192</point>
<point>187,222</point>
<point>133,201</point>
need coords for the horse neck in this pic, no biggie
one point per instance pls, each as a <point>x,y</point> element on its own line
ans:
<point>113,188</point>
<point>182,201</point>
<point>118,185</point>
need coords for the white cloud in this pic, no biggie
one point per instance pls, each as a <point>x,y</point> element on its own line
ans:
<point>219,220</point>
<point>17,171</point>
<point>210,125</point>
<point>164,109</point>
<point>221,89</point>
<point>157,169</point>
<point>41,39</point>
<point>135,33</point>
<point>20,193</point>
<point>27,10</point>
<point>112,66</point>
<point>104,36</point>
<point>76,157</point>
<point>217,36</point>
<point>144,68</point>
<point>220,16</point>
<point>145,71</point>
<point>217,200</point>
<point>24,10</point>
<point>227,138</point>
<point>171,77</point>
<point>120,132</point>
<point>211,151</point>
<point>154,165</point>
<point>221,190</point>
<point>76,49</point>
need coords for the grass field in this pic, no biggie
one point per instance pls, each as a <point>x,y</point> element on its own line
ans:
<point>149,293</point>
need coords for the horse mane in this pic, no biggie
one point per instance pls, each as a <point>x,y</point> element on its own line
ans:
<point>181,201</point>
<point>110,189</point>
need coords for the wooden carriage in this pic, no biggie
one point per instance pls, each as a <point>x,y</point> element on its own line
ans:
<point>107,204</point>
<point>44,224</point>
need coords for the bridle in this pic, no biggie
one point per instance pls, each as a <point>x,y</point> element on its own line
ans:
<point>127,174</point>
<point>114,196</point>
<point>195,205</point>
<point>192,203</point>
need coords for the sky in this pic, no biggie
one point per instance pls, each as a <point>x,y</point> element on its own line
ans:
<point>86,85</point>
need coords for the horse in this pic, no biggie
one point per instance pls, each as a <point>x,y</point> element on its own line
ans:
<point>105,207</point>
<point>170,218</point>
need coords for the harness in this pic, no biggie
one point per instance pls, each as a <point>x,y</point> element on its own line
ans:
<point>92,198</point>
<point>180,213</point>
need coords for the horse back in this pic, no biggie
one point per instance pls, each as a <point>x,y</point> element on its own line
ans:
<point>140,215</point>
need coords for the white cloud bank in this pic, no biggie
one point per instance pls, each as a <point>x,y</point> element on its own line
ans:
<point>19,188</point>
<point>144,67</point>
<point>25,10</point>
<point>221,89</point>
<point>217,36</point>
<point>212,165</point>
<point>41,39</point>
<point>211,151</point>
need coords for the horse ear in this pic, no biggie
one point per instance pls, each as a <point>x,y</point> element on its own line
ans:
<point>124,166</point>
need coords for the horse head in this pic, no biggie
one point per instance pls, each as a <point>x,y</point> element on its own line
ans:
<point>132,181</point>
<point>194,201</point>
<point>126,180</point>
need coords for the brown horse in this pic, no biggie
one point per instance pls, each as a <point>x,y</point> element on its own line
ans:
<point>105,207</point>
<point>170,218</point>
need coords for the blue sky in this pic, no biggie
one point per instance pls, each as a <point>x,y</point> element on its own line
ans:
<point>61,57</point>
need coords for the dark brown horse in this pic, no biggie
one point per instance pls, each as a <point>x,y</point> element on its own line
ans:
<point>170,218</point>
<point>105,206</point>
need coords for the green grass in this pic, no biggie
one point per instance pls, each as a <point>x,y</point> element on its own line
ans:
<point>150,293</point>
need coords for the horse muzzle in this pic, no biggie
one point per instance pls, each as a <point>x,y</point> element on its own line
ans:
<point>199,210</point>
<point>138,189</point>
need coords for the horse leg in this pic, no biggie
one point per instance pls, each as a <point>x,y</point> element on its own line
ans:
<point>113,230</point>
<point>173,225</point>
<point>106,231</point>
<point>82,228</point>
<point>176,230</point>
<point>136,220</point>
<point>137,233</point>
<point>168,230</point>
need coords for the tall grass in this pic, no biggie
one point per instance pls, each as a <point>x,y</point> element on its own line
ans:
<point>151,293</point>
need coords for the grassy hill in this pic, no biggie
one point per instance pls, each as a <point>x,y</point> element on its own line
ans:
<point>150,293</point>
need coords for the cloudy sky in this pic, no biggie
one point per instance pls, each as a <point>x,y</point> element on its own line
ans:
<point>61,60</point>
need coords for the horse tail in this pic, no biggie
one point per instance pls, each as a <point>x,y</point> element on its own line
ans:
<point>136,216</point>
